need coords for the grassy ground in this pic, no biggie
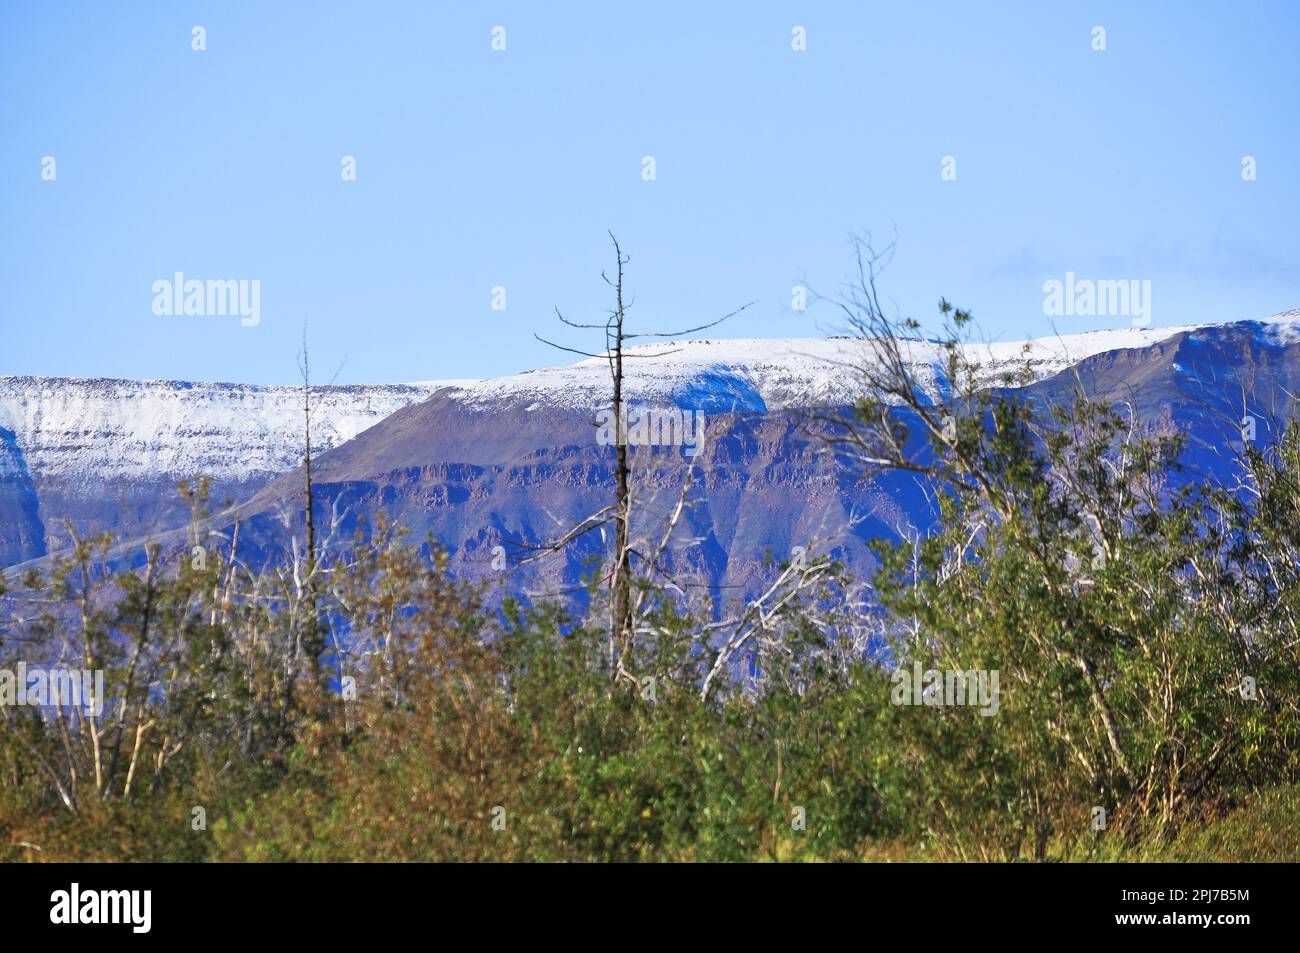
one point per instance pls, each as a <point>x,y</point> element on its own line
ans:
<point>1266,827</point>
<point>1263,827</point>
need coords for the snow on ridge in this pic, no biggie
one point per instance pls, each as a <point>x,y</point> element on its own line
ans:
<point>145,430</point>
<point>785,372</point>
<point>91,430</point>
<point>1281,329</point>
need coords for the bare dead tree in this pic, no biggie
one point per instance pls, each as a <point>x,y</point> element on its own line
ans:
<point>307,640</point>
<point>312,628</point>
<point>620,574</point>
<point>309,508</point>
<point>621,582</point>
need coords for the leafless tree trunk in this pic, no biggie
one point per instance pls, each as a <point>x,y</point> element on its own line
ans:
<point>622,624</point>
<point>621,583</point>
<point>309,628</point>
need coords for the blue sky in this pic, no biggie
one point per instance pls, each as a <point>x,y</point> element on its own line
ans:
<point>479,168</point>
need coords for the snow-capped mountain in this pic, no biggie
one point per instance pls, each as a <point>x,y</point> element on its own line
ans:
<point>779,374</point>
<point>108,454</point>
<point>474,459</point>
<point>514,462</point>
<point>74,427</point>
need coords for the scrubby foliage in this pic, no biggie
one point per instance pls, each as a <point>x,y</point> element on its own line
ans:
<point>1121,606</point>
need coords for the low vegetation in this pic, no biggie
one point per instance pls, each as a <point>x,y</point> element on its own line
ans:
<point>1142,627</point>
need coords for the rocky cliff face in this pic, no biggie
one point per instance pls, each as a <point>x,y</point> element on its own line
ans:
<point>22,535</point>
<point>513,462</point>
<point>108,454</point>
